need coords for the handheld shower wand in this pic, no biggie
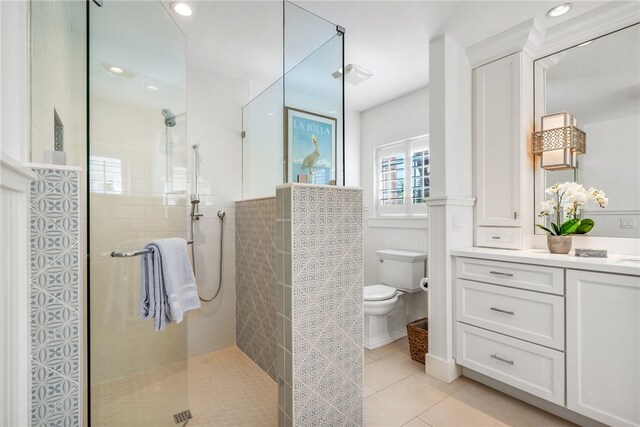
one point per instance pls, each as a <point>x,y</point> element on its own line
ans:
<point>195,201</point>
<point>195,197</point>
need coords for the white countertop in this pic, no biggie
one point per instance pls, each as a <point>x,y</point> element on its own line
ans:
<point>619,264</point>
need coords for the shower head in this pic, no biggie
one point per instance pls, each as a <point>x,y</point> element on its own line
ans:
<point>169,118</point>
<point>195,199</point>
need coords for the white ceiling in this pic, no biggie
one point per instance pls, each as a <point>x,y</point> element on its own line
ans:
<point>390,38</point>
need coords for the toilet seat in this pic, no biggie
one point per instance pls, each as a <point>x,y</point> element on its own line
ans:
<point>379,292</point>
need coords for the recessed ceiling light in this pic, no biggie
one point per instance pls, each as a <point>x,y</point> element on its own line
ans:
<point>270,114</point>
<point>181,8</point>
<point>559,10</point>
<point>585,43</point>
<point>116,70</point>
<point>151,87</point>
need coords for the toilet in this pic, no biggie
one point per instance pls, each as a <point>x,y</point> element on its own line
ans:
<point>399,274</point>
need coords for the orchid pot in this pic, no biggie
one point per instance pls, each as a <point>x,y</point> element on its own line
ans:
<point>566,203</point>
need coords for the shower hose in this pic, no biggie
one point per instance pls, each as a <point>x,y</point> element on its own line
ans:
<point>193,259</point>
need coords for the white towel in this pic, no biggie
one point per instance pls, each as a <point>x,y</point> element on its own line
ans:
<point>167,284</point>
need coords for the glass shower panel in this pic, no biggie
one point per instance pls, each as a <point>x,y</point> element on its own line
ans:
<point>304,33</point>
<point>294,129</point>
<point>137,193</point>
<point>314,116</point>
<point>313,98</point>
<point>262,155</point>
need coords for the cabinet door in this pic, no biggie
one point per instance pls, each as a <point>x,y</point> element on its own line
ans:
<point>603,346</point>
<point>497,140</point>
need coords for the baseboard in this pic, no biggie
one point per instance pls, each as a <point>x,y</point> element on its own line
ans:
<point>545,405</point>
<point>400,333</point>
<point>444,370</point>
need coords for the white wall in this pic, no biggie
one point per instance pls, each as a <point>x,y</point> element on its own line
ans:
<point>401,118</point>
<point>214,106</point>
<point>14,70</point>
<point>57,80</point>
<point>352,148</point>
<point>15,387</point>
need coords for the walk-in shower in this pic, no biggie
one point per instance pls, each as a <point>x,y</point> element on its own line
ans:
<point>137,159</point>
<point>147,181</point>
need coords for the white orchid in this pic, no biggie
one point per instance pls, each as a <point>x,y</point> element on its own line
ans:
<point>547,207</point>
<point>598,196</point>
<point>553,189</point>
<point>568,198</point>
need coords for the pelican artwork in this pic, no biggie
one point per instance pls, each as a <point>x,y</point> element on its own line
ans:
<point>311,160</point>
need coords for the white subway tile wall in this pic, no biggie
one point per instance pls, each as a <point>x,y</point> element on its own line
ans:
<point>214,120</point>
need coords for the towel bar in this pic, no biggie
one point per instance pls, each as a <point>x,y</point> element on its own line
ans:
<point>136,253</point>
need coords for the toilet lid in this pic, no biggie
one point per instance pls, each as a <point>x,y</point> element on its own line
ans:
<point>378,292</point>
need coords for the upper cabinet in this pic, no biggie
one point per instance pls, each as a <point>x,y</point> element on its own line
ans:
<point>500,138</point>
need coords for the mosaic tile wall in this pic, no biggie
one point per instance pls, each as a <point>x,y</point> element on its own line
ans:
<point>320,276</point>
<point>256,281</point>
<point>55,298</point>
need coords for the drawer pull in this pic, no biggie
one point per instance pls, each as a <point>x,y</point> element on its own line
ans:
<point>498,273</point>
<point>502,359</point>
<point>502,311</point>
<point>496,237</point>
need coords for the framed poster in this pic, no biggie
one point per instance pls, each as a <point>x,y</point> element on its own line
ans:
<point>310,146</point>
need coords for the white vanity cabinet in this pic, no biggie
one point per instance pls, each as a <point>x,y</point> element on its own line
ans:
<point>507,329</point>
<point>603,346</point>
<point>557,327</point>
<point>500,141</point>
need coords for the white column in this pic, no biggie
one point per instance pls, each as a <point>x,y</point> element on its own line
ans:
<point>15,370</point>
<point>450,205</point>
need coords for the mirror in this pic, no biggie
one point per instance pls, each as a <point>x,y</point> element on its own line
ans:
<point>598,82</point>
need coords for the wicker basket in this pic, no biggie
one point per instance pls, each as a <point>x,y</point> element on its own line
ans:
<point>418,339</point>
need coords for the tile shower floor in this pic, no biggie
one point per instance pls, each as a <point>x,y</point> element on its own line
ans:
<point>226,389</point>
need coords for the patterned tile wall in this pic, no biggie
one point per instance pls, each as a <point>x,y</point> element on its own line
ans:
<point>256,281</point>
<point>55,298</point>
<point>320,274</point>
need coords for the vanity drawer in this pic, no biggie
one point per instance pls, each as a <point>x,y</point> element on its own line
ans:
<point>531,316</point>
<point>524,276</point>
<point>535,369</point>
<point>499,237</point>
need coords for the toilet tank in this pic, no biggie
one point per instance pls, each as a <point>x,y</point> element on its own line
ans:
<point>401,269</point>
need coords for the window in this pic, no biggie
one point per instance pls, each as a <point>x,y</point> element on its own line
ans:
<point>105,175</point>
<point>402,177</point>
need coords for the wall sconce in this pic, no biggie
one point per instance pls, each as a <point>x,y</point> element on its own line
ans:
<point>559,142</point>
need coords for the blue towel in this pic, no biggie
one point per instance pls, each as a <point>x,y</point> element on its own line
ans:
<point>167,284</point>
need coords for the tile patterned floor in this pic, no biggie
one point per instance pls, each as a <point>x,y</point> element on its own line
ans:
<point>398,393</point>
<point>226,389</point>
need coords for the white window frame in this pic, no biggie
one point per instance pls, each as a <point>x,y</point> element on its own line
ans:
<point>406,147</point>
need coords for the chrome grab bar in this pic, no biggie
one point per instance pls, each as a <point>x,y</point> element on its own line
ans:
<point>136,253</point>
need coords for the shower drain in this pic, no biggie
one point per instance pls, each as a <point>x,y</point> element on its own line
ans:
<point>182,417</point>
